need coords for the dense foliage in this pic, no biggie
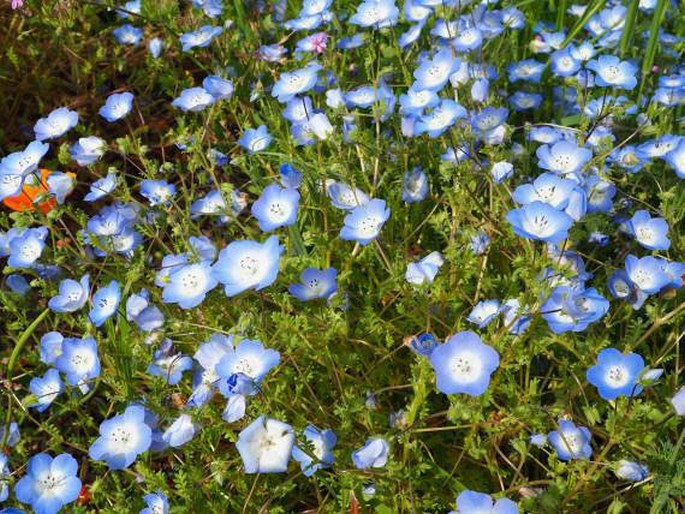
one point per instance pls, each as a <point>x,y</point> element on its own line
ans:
<point>342,256</point>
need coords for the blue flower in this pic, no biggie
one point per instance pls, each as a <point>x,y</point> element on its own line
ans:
<point>46,389</point>
<point>563,157</point>
<point>484,312</point>
<point>522,100</point>
<point>157,192</point>
<point>646,273</point>
<point>374,454</point>
<point>547,188</point>
<point>247,264</point>
<point>528,70</point>
<point>79,362</point>
<point>122,438</point>
<point>194,99</point>
<point>219,87</point>
<point>569,308</point>
<point>205,378</point>
<point>376,14</point>
<point>102,187</point>
<point>414,185</point>
<point>632,471</point>
<point>248,358</point>
<point>276,207</point>
<point>212,8</point>
<point>651,233</point>
<point>72,295</point>
<point>187,284</point>
<point>676,158</point>
<point>26,248</point>
<point>422,344</point>
<point>117,106</point>
<point>440,118</point>
<point>15,167</point>
<point>50,347</point>
<point>180,432</point>
<point>433,74</point>
<point>255,140</point>
<point>344,197</point>
<point>200,38</point>
<point>463,364</point>
<point>147,316</point>
<point>570,441</point>
<point>501,171</point>
<point>56,124</point>
<point>49,484</point>
<point>4,479</point>
<point>291,177</point>
<point>265,446</point>
<point>157,503</point>
<point>564,64</point>
<point>315,284</point>
<point>473,502</point>
<point>678,401</point>
<point>364,223</point>
<point>479,242</point>
<point>105,302</point>
<point>18,284</point>
<point>317,452</point>
<point>424,270</point>
<point>612,72</point>
<point>155,46</point>
<point>170,366</point>
<point>296,82</point>
<point>127,34</point>
<point>60,185</point>
<point>616,374</point>
<point>540,221</point>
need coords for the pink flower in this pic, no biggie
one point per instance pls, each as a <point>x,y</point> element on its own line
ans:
<point>319,42</point>
<point>16,4</point>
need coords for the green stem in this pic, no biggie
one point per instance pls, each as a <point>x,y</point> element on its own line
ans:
<point>10,368</point>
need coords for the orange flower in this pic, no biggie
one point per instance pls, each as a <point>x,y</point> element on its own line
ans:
<point>24,201</point>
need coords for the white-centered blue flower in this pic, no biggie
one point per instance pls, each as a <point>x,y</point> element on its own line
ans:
<point>424,270</point>
<point>88,150</point>
<point>612,72</point>
<point>616,374</point>
<point>276,207</point>
<point>473,502</point>
<point>200,38</point>
<point>79,362</point>
<point>122,438</point>
<point>105,303</point>
<point>316,453</point>
<point>293,83</point>
<point>26,248</point>
<point>180,431</point>
<point>15,167</point>
<point>117,106</point>
<point>463,364</point>
<point>265,446</point>
<point>376,14</point>
<point>651,233</point>
<point>364,223</point>
<point>570,441</point>
<point>255,140</point>
<point>374,454</point>
<point>540,221</point>
<point>46,389</point>
<point>56,124</point>
<point>484,312</point>
<point>49,484</point>
<point>315,284</point>
<point>247,264</point>
<point>194,99</point>
<point>72,295</point>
